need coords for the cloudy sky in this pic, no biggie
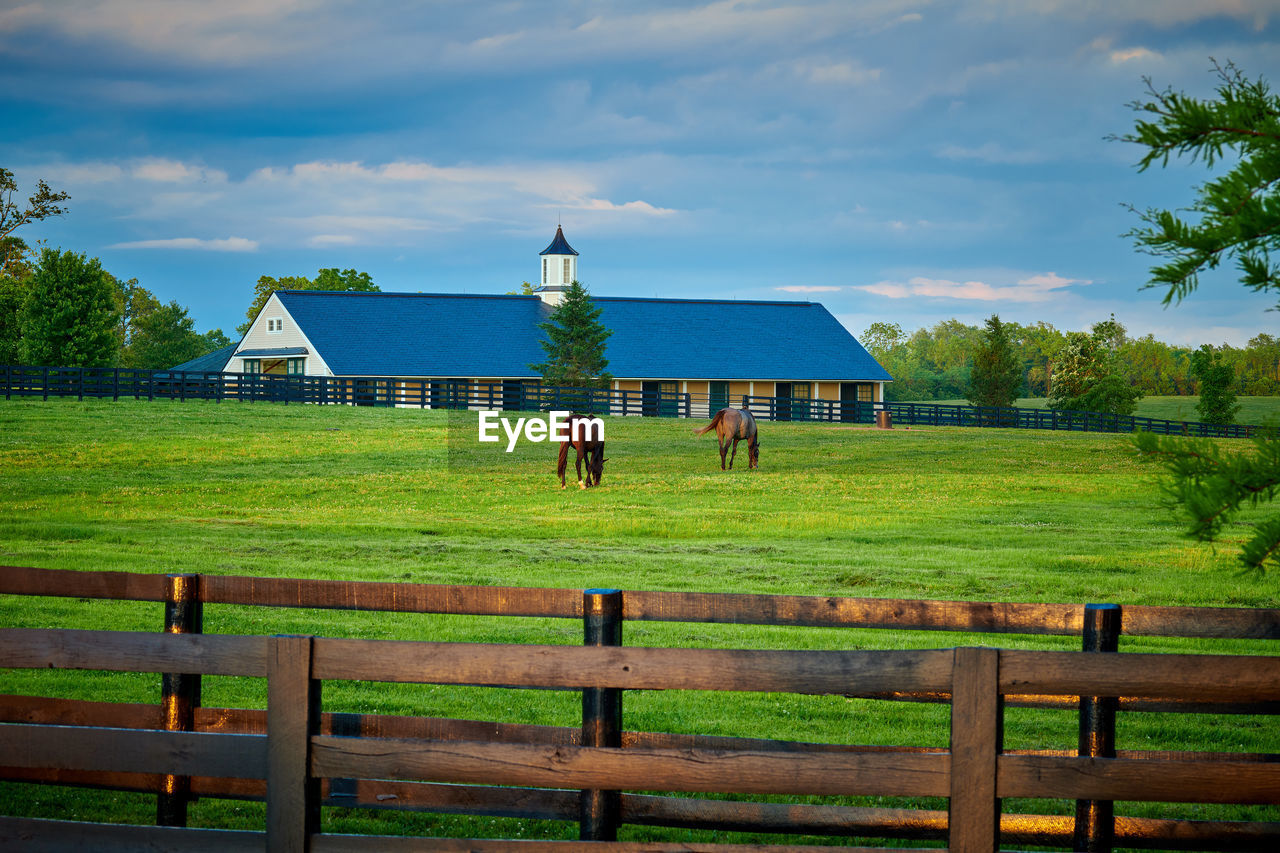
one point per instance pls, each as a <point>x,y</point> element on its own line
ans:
<point>904,162</point>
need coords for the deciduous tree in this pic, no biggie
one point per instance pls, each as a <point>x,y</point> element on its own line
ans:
<point>1217,392</point>
<point>1087,375</point>
<point>326,279</point>
<point>163,337</point>
<point>69,313</point>
<point>43,203</point>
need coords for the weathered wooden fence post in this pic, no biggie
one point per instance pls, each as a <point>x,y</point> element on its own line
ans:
<point>601,811</point>
<point>977,738</point>
<point>179,692</point>
<point>1095,819</point>
<point>293,714</point>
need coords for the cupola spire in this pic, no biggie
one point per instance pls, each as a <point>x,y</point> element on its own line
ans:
<point>559,269</point>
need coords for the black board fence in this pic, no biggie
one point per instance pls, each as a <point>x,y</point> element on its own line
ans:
<point>123,383</point>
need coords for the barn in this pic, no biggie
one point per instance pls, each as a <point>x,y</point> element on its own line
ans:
<point>717,351</point>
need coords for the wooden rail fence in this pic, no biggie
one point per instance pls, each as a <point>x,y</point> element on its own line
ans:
<point>298,758</point>
<point>116,383</point>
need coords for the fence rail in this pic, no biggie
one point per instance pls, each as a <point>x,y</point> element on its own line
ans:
<point>117,383</point>
<point>583,774</point>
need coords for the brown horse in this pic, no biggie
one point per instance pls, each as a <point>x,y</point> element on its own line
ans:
<point>735,425</point>
<point>588,443</point>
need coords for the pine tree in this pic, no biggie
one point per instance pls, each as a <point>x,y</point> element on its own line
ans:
<point>997,371</point>
<point>1238,217</point>
<point>1217,386</point>
<point>575,343</point>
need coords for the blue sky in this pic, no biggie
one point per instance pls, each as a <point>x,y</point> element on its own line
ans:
<point>903,162</point>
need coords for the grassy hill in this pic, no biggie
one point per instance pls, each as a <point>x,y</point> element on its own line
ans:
<point>378,494</point>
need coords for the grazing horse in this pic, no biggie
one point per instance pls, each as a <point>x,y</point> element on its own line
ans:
<point>589,446</point>
<point>735,425</point>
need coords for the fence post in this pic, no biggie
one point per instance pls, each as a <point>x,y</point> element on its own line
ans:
<point>601,811</point>
<point>1095,819</point>
<point>977,738</point>
<point>293,713</point>
<point>179,692</point>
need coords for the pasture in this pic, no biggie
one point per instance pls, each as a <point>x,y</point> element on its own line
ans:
<point>379,494</point>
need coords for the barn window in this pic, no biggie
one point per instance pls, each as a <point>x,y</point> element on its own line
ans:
<point>275,325</point>
<point>864,393</point>
<point>566,270</point>
<point>252,365</point>
<point>295,366</point>
<point>544,270</point>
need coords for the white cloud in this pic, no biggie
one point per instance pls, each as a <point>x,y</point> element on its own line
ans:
<point>321,241</point>
<point>71,174</point>
<point>1036,288</point>
<point>991,152</point>
<point>230,244</point>
<point>1128,54</point>
<point>642,207</point>
<point>174,171</point>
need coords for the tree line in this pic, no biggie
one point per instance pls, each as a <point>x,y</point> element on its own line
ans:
<point>62,308</point>
<point>937,363</point>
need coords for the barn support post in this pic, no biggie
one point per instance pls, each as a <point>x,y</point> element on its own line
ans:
<point>293,716</point>
<point>601,811</point>
<point>1095,819</point>
<point>179,692</point>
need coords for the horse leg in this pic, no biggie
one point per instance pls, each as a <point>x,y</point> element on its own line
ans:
<point>578,468</point>
<point>734,454</point>
<point>724,448</point>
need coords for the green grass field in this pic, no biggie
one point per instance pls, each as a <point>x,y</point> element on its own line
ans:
<point>407,495</point>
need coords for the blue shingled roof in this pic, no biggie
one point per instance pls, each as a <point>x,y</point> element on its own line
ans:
<point>210,362</point>
<point>717,339</point>
<point>419,334</point>
<point>559,246</point>
<point>466,336</point>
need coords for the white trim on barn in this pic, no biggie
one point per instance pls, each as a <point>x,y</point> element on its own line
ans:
<point>291,335</point>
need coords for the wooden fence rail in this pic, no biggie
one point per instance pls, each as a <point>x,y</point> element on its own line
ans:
<point>116,383</point>
<point>585,774</point>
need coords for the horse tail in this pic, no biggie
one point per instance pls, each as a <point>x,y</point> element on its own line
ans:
<point>715,422</point>
<point>563,462</point>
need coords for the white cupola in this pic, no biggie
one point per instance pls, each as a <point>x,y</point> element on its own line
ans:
<point>559,269</point>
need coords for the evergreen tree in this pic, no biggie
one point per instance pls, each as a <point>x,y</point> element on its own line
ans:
<point>69,313</point>
<point>1217,386</point>
<point>575,343</point>
<point>996,376</point>
<point>1238,217</point>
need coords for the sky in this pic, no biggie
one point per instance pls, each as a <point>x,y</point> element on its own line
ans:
<point>899,162</point>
